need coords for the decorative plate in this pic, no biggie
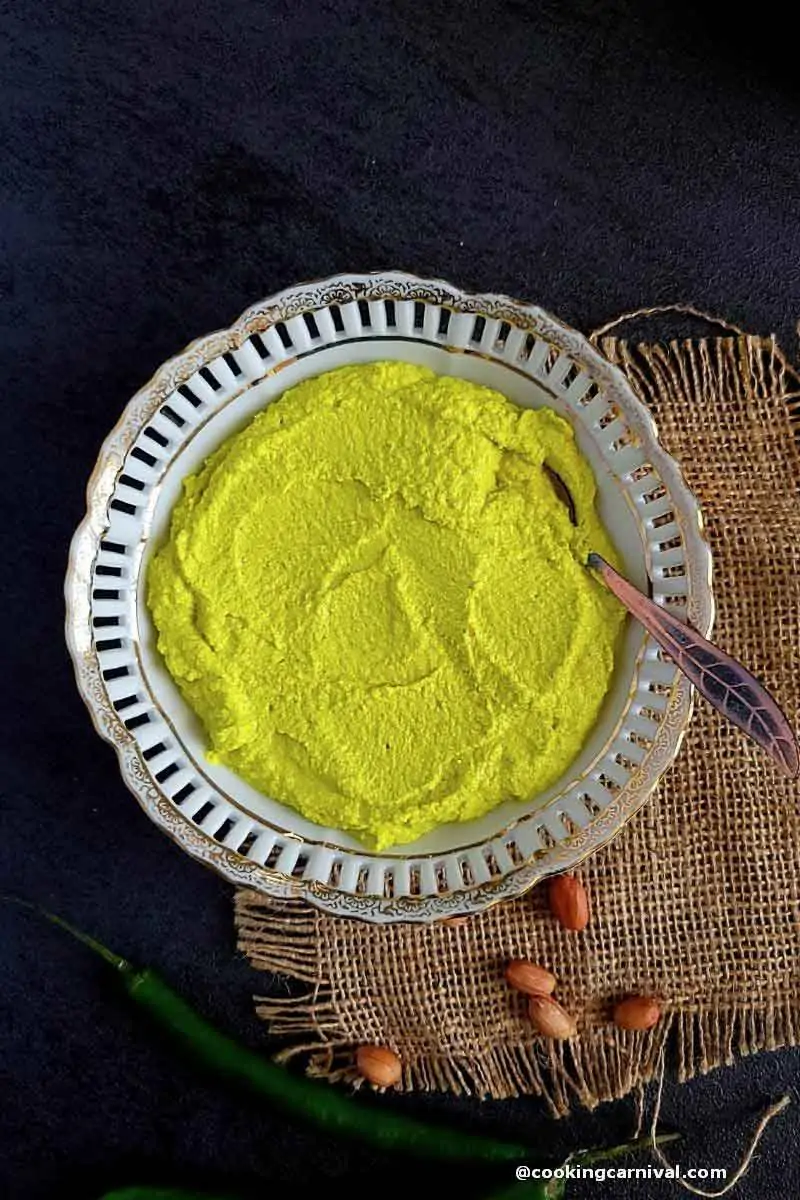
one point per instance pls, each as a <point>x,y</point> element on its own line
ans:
<point>193,403</point>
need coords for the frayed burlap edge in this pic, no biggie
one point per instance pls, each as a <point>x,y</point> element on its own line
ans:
<point>286,937</point>
<point>603,1064</point>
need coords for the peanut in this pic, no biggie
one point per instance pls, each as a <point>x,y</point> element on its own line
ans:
<point>528,977</point>
<point>637,1012</point>
<point>379,1065</point>
<point>550,1018</point>
<point>569,902</point>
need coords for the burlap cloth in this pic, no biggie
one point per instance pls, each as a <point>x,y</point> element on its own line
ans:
<point>698,900</point>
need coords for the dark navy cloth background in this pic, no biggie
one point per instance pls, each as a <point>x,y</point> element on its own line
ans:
<point>164,164</point>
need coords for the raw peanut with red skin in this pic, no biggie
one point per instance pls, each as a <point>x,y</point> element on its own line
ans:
<point>550,1018</point>
<point>569,902</point>
<point>379,1065</point>
<point>637,1013</point>
<point>529,977</point>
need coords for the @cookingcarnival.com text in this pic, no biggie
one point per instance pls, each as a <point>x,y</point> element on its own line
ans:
<point>601,1174</point>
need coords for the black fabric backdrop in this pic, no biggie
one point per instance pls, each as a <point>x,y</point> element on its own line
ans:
<point>166,163</point>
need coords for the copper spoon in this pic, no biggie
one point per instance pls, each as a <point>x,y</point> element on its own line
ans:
<point>724,682</point>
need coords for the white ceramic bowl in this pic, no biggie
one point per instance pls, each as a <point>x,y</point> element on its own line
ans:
<point>192,404</point>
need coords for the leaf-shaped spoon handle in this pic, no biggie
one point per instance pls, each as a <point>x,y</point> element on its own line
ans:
<point>723,681</point>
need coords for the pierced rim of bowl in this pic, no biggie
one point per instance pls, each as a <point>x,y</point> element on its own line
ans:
<point>104,608</point>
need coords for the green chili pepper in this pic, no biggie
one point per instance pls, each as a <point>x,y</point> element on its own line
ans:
<point>315,1103</point>
<point>157,1193</point>
<point>532,1189</point>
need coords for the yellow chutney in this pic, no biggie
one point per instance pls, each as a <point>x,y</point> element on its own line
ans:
<point>377,605</point>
